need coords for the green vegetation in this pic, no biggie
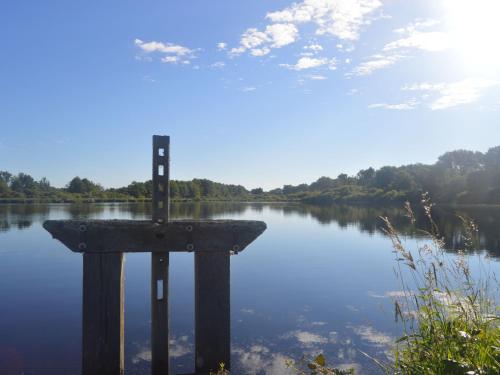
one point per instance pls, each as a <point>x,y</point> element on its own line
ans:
<point>449,316</point>
<point>462,177</point>
<point>24,188</point>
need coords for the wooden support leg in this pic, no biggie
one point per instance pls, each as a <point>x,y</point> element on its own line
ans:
<point>102,346</point>
<point>212,320</point>
<point>160,363</point>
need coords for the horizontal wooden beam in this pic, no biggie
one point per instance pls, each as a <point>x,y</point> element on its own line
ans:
<point>121,236</point>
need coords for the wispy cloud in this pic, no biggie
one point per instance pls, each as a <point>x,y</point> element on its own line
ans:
<point>375,62</point>
<point>410,104</point>
<point>317,77</point>
<point>172,53</point>
<point>307,62</point>
<point>248,88</point>
<point>416,36</point>
<point>448,95</point>
<point>218,65</point>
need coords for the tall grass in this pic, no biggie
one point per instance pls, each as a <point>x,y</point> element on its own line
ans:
<point>449,316</point>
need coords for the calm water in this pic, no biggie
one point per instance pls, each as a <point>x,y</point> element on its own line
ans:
<point>318,280</point>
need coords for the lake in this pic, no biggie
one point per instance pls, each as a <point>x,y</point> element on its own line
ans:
<point>319,279</point>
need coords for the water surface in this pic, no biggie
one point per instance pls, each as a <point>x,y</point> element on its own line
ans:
<point>320,279</point>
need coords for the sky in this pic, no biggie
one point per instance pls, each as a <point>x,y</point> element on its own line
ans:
<point>253,92</point>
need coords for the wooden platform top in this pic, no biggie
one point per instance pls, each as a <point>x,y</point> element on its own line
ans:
<point>121,236</point>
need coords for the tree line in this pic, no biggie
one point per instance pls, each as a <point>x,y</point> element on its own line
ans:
<point>459,176</point>
<point>23,186</point>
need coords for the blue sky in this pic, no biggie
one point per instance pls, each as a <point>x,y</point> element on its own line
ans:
<point>259,93</point>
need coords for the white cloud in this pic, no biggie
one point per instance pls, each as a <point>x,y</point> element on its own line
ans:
<point>221,46</point>
<point>260,51</point>
<point>427,41</point>
<point>274,36</point>
<point>340,18</point>
<point>248,88</point>
<point>314,47</point>
<point>282,34</point>
<point>218,65</point>
<point>376,62</point>
<point>410,104</point>
<point>174,53</point>
<point>307,62</point>
<point>448,95</point>
<point>415,38</point>
<point>317,77</point>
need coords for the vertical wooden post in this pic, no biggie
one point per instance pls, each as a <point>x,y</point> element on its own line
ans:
<point>102,323</point>
<point>160,363</point>
<point>212,309</point>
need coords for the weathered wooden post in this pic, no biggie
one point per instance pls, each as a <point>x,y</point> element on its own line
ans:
<point>160,326</point>
<point>103,243</point>
<point>102,315</point>
<point>212,309</point>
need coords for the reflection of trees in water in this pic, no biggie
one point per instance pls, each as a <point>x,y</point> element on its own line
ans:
<point>204,210</point>
<point>365,218</point>
<point>21,216</point>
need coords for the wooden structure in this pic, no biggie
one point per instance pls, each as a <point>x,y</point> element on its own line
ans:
<point>103,243</point>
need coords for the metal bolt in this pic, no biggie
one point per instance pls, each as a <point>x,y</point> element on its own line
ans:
<point>189,228</point>
<point>236,248</point>
<point>82,246</point>
<point>82,227</point>
<point>189,247</point>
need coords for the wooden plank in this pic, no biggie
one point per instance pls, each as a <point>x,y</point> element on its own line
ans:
<point>160,322</point>
<point>102,322</point>
<point>107,236</point>
<point>212,309</point>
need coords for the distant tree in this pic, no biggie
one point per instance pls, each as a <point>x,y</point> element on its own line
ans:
<point>342,179</point>
<point>384,177</point>
<point>83,186</point>
<point>23,184</point>
<point>492,158</point>
<point>322,184</point>
<point>137,189</point>
<point>5,177</point>
<point>461,161</point>
<point>44,184</point>
<point>257,191</point>
<point>366,176</point>
<point>4,188</point>
<point>277,191</point>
